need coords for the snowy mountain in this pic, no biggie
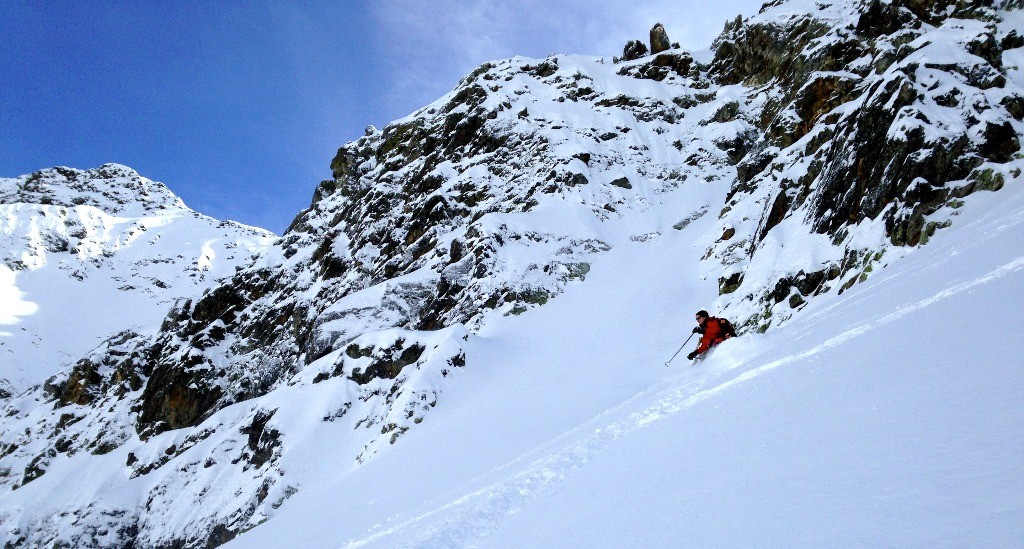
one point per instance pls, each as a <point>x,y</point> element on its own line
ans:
<point>461,341</point>
<point>109,249</point>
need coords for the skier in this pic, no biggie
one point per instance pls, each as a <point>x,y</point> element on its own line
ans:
<point>713,331</point>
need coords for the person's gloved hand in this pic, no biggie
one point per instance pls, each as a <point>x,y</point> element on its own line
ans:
<point>697,330</point>
<point>692,355</point>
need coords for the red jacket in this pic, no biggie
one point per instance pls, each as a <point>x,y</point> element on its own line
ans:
<point>712,335</point>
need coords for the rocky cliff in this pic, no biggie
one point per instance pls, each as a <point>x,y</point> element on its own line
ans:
<point>826,140</point>
<point>873,121</point>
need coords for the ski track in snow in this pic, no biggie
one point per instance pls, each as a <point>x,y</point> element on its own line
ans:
<point>477,514</point>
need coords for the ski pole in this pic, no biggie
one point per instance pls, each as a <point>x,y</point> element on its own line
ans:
<point>680,349</point>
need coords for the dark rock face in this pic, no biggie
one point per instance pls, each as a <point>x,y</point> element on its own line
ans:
<point>659,39</point>
<point>854,107</point>
<point>634,49</point>
<point>662,66</point>
<point>805,284</point>
<point>184,385</point>
<point>881,168</point>
<point>780,206</point>
<point>175,397</point>
<point>115,371</point>
<point>80,387</point>
<point>882,19</point>
<point>815,99</point>
<point>758,54</point>
<point>729,284</point>
<point>1000,142</point>
<point>262,441</point>
<point>387,363</point>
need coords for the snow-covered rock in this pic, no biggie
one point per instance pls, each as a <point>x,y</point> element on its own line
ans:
<point>873,129</point>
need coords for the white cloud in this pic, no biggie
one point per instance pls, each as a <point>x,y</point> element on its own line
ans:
<point>11,304</point>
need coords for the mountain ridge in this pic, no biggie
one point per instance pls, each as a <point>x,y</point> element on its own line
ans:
<point>76,242</point>
<point>113,188</point>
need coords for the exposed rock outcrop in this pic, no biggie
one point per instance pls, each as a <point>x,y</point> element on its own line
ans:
<point>634,49</point>
<point>862,123</point>
<point>659,39</point>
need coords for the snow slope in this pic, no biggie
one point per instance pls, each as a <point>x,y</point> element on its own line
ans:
<point>88,253</point>
<point>890,415</point>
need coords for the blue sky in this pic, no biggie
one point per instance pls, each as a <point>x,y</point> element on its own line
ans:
<point>239,106</point>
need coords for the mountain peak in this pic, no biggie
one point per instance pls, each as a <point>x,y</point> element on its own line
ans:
<point>113,188</point>
<point>74,241</point>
